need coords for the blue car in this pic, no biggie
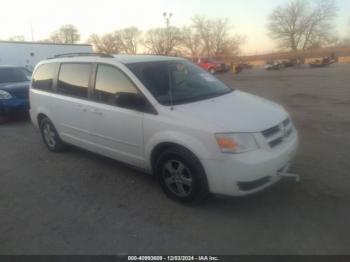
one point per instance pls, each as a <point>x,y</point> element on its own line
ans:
<point>14,90</point>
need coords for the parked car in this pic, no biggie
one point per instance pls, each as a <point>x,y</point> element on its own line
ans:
<point>325,62</point>
<point>14,90</point>
<point>166,116</point>
<point>212,66</point>
<point>274,65</point>
<point>245,65</point>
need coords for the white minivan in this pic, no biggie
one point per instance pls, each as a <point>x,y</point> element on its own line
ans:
<point>166,116</point>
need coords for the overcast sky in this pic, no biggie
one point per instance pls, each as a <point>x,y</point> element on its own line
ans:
<point>249,17</point>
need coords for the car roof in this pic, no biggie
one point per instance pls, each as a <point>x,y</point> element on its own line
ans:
<point>129,59</point>
<point>9,66</point>
<point>124,59</point>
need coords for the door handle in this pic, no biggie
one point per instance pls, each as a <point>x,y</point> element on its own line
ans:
<point>96,112</point>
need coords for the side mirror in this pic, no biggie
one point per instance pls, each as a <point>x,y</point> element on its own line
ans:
<point>130,101</point>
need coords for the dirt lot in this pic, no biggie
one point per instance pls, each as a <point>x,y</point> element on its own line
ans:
<point>80,203</point>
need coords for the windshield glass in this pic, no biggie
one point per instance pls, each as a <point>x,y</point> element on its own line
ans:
<point>26,72</point>
<point>8,75</point>
<point>178,82</point>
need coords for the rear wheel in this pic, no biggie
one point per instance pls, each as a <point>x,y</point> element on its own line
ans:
<point>181,175</point>
<point>50,136</point>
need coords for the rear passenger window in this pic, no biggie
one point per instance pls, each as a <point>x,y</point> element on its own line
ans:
<point>73,79</point>
<point>44,76</point>
<point>111,81</point>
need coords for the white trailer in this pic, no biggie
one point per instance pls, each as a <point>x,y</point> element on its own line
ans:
<point>28,54</point>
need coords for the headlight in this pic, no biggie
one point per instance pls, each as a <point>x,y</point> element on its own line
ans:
<point>5,95</point>
<point>235,143</point>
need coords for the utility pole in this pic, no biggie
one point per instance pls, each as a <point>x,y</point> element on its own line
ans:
<point>31,31</point>
<point>167,17</point>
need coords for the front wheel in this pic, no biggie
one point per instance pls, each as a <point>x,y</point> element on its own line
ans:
<point>212,71</point>
<point>181,175</point>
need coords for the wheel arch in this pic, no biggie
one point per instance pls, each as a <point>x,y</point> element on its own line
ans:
<point>157,152</point>
<point>155,147</point>
<point>40,117</point>
<point>161,147</point>
<point>37,114</point>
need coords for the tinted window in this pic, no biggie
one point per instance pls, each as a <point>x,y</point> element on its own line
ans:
<point>109,82</point>
<point>74,79</point>
<point>9,75</point>
<point>180,82</point>
<point>44,76</point>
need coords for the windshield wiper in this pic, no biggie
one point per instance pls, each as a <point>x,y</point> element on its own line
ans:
<point>199,98</point>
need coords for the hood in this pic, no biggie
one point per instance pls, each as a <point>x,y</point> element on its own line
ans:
<point>15,87</point>
<point>236,112</point>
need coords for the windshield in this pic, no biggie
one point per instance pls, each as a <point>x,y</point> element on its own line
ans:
<point>8,75</point>
<point>26,72</point>
<point>178,82</point>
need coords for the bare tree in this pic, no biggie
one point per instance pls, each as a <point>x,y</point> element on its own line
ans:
<point>129,39</point>
<point>301,24</point>
<point>162,41</point>
<point>108,43</point>
<point>225,44</point>
<point>219,37</point>
<point>203,27</point>
<point>231,46</point>
<point>66,34</point>
<point>216,37</point>
<point>346,39</point>
<point>17,38</point>
<point>191,43</point>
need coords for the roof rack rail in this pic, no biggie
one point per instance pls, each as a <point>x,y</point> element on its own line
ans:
<point>82,54</point>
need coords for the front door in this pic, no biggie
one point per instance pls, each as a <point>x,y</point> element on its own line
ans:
<point>118,131</point>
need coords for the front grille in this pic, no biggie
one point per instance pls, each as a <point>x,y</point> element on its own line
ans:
<point>276,142</point>
<point>271,131</point>
<point>279,133</point>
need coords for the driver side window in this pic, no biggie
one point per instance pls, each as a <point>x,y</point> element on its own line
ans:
<point>109,82</point>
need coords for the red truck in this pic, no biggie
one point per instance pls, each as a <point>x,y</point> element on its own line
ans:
<point>212,66</point>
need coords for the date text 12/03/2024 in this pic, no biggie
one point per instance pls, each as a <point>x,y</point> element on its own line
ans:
<point>173,258</point>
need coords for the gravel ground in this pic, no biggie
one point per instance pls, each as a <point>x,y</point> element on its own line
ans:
<point>81,203</point>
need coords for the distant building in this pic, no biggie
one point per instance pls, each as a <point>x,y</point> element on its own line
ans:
<point>28,54</point>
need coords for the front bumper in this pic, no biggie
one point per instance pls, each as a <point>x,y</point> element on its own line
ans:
<point>14,105</point>
<point>244,174</point>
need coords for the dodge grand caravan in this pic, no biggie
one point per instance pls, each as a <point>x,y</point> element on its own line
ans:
<point>166,116</point>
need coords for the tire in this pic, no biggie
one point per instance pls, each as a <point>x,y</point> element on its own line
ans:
<point>181,175</point>
<point>50,136</point>
<point>212,71</point>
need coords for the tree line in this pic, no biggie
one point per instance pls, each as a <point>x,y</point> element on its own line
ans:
<point>297,25</point>
<point>209,37</point>
<point>204,37</point>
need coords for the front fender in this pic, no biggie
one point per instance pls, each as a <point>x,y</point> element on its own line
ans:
<point>175,137</point>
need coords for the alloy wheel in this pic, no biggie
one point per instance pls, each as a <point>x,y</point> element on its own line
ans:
<point>49,135</point>
<point>178,178</point>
